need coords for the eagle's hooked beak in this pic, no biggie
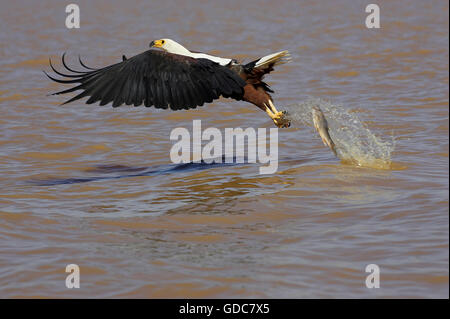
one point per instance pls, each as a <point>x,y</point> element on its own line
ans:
<point>156,44</point>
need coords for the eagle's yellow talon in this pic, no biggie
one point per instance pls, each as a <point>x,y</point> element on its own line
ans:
<point>280,120</point>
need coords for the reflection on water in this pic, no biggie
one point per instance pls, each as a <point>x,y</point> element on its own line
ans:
<point>104,194</point>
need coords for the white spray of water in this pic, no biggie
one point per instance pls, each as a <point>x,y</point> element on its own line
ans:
<point>355,143</point>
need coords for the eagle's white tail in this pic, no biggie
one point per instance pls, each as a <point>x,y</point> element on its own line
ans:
<point>275,59</point>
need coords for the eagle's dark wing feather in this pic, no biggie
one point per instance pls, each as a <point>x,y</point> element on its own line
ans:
<point>154,78</point>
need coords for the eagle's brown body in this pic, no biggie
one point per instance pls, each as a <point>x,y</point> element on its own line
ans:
<point>257,92</point>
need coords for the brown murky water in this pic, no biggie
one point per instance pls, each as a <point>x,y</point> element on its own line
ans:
<point>139,227</point>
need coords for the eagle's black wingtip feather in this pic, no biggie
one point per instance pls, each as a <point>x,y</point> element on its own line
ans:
<point>63,74</point>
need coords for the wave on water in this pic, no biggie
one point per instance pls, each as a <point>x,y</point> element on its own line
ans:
<point>355,143</point>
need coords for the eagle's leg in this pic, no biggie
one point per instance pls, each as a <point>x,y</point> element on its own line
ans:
<point>279,118</point>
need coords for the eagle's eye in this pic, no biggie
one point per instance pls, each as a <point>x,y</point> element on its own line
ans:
<point>162,42</point>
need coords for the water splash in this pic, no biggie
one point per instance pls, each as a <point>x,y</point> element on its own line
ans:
<point>355,143</point>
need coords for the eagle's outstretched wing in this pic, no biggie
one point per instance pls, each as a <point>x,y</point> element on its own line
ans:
<point>154,78</point>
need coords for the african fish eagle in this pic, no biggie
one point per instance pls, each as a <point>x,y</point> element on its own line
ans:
<point>176,78</point>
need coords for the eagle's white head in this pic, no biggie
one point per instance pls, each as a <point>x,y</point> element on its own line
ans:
<point>170,46</point>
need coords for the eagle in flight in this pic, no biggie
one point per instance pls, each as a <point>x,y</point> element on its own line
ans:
<point>176,78</point>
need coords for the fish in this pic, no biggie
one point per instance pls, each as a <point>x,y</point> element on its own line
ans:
<point>321,125</point>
